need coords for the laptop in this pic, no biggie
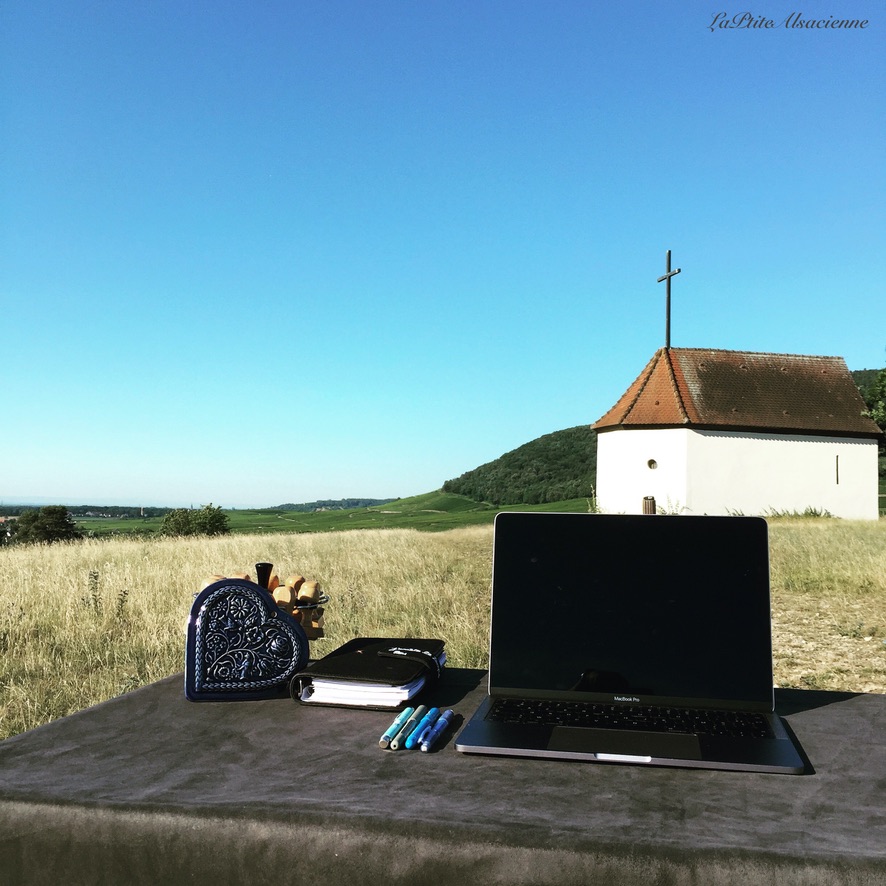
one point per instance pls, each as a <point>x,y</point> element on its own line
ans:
<point>632,639</point>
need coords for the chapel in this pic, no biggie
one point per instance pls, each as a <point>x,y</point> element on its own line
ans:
<point>704,431</point>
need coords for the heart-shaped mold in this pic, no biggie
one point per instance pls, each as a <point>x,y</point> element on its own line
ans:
<point>240,645</point>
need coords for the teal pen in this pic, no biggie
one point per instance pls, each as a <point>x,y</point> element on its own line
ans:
<point>395,727</point>
<point>399,739</point>
<point>424,724</point>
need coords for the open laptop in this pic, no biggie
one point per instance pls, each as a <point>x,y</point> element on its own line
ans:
<point>658,625</point>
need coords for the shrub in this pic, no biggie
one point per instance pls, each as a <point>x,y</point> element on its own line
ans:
<point>208,520</point>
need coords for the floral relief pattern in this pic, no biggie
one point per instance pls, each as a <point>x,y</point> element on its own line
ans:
<point>242,643</point>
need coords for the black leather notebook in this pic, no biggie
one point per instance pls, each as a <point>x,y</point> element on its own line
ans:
<point>371,672</point>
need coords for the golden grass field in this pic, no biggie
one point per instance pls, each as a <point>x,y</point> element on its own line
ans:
<point>83,622</point>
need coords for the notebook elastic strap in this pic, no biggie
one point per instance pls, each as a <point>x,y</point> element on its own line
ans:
<point>412,653</point>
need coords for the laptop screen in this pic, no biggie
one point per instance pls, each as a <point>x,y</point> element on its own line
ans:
<point>646,608</point>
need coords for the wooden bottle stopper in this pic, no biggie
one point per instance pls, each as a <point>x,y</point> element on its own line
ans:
<point>284,597</point>
<point>309,593</point>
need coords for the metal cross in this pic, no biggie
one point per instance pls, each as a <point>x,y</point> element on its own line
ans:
<point>669,273</point>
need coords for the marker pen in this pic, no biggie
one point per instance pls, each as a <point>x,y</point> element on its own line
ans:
<point>399,739</point>
<point>395,727</point>
<point>437,730</point>
<point>424,724</point>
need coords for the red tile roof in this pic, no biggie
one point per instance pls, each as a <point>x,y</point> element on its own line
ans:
<point>737,390</point>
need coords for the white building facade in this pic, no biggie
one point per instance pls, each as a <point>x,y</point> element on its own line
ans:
<point>676,437</point>
<point>734,472</point>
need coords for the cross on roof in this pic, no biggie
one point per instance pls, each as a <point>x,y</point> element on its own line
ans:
<point>667,276</point>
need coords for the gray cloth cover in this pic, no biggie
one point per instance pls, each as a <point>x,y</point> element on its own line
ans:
<point>151,788</point>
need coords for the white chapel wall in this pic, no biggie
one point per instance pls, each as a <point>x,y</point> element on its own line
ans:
<point>734,472</point>
<point>707,472</point>
<point>636,463</point>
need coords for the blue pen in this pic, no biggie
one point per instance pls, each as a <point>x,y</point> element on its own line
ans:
<point>423,725</point>
<point>420,736</point>
<point>395,727</point>
<point>437,730</point>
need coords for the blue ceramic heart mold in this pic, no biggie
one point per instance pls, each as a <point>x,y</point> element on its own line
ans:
<point>240,644</point>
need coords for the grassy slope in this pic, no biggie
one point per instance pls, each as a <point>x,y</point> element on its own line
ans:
<point>432,511</point>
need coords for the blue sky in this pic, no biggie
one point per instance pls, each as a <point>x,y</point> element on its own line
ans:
<point>259,252</point>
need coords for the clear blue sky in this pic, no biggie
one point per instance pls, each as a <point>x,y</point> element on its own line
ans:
<point>259,252</point>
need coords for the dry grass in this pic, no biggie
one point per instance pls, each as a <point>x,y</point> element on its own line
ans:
<point>829,604</point>
<point>84,622</point>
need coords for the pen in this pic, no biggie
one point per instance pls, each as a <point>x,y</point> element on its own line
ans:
<point>423,726</point>
<point>395,727</point>
<point>437,730</point>
<point>398,740</point>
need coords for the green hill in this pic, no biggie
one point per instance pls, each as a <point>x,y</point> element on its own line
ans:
<point>431,511</point>
<point>555,467</point>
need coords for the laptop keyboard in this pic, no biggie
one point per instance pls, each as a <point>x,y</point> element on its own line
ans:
<point>643,718</point>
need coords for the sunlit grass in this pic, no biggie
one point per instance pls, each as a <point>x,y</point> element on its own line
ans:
<point>829,604</point>
<point>83,622</point>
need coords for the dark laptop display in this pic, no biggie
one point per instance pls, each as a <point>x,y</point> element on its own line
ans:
<point>635,616</point>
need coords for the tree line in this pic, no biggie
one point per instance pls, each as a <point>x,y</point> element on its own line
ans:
<point>339,504</point>
<point>118,512</point>
<point>55,523</point>
<point>872,387</point>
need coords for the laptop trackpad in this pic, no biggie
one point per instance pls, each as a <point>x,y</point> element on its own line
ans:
<point>622,742</point>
